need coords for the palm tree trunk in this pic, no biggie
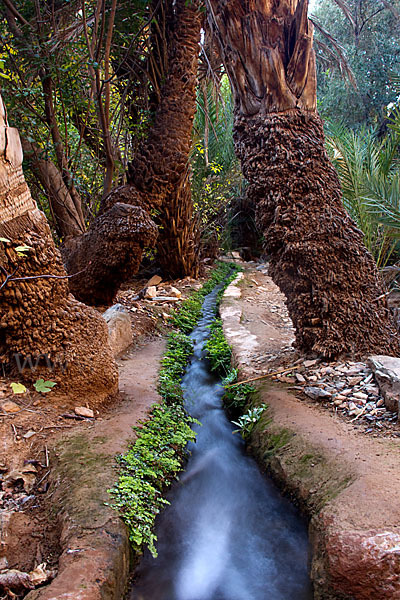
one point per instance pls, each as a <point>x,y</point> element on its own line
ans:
<point>39,320</point>
<point>160,168</point>
<point>317,255</point>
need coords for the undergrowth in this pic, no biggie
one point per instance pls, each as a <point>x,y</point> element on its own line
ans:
<point>158,454</point>
<point>219,354</point>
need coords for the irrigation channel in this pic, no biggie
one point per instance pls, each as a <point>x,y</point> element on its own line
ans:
<point>228,533</point>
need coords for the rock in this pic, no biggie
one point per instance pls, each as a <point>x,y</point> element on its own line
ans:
<point>154,281</point>
<point>316,393</point>
<point>10,407</point>
<point>360,396</point>
<point>119,328</point>
<point>387,374</point>
<point>82,411</point>
<point>310,363</point>
<point>151,292</point>
<point>300,378</point>
<point>175,292</point>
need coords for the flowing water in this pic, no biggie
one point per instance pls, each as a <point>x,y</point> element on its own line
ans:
<point>228,533</point>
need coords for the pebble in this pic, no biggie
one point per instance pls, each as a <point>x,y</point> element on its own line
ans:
<point>316,393</point>
<point>82,411</point>
<point>310,363</point>
<point>350,389</point>
<point>10,407</point>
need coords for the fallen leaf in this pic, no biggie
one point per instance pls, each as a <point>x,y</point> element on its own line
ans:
<point>18,388</point>
<point>43,387</point>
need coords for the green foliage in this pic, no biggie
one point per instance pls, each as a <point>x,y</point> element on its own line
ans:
<point>151,465</point>
<point>217,178</point>
<point>218,350</point>
<point>236,398</point>
<point>219,353</point>
<point>370,45</point>
<point>369,174</point>
<point>173,365</point>
<point>44,387</point>
<point>186,318</point>
<point>157,455</point>
<point>249,420</point>
<point>40,385</point>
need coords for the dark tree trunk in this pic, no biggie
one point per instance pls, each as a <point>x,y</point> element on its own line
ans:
<point>317,255</point>
<point>109,253</point>
<point>39,319</point>
<point>178,245</point>
<point>160,171</point>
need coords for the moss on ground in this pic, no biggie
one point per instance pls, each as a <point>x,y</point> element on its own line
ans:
<point>300,469</point>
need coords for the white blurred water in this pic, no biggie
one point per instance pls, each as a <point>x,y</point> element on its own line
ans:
<point>228,534</point>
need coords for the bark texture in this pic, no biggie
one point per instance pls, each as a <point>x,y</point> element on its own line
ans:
<point>110,252</point>
<point>67,221</point>
<point>317,255</point>
<point>38,316</point>
<point>160,170</point>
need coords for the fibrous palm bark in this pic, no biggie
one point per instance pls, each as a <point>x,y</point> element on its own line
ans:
<point>159,175</point>
<point>317,255</point>
<point>39,320</point>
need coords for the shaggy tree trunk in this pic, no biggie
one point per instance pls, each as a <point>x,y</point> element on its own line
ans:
<point>160,169</point>
<point>317,255</point>
<point>39,320</point>
<point>110,252</point>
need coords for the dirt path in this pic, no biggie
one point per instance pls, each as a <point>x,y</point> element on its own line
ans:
<point>348,482</point>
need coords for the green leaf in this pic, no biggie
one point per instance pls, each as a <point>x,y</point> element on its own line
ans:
<point>43,387</point>
<point>5,240</point>
<point>18,388</point>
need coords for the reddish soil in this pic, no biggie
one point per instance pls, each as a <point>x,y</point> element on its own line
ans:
<point>29,533</point>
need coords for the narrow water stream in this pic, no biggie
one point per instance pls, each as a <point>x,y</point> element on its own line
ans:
<point>228,534</point>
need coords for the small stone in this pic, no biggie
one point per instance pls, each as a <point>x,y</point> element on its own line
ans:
<point>356,412</point>
<point>341,398</point>
<point>354,380</point>
<point>313,378</point>
<point>352,406</point>
<point>310,363</point>
<point>300,378</point>
<point>380,402</point>
<point>154,281</point>
<point>29,434</point>
<point>151,292</point>
<point>10,407</point>
<point>360,396</point>
<point>316,393</point>
<point>175,292</point>
<point>82,411</point>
